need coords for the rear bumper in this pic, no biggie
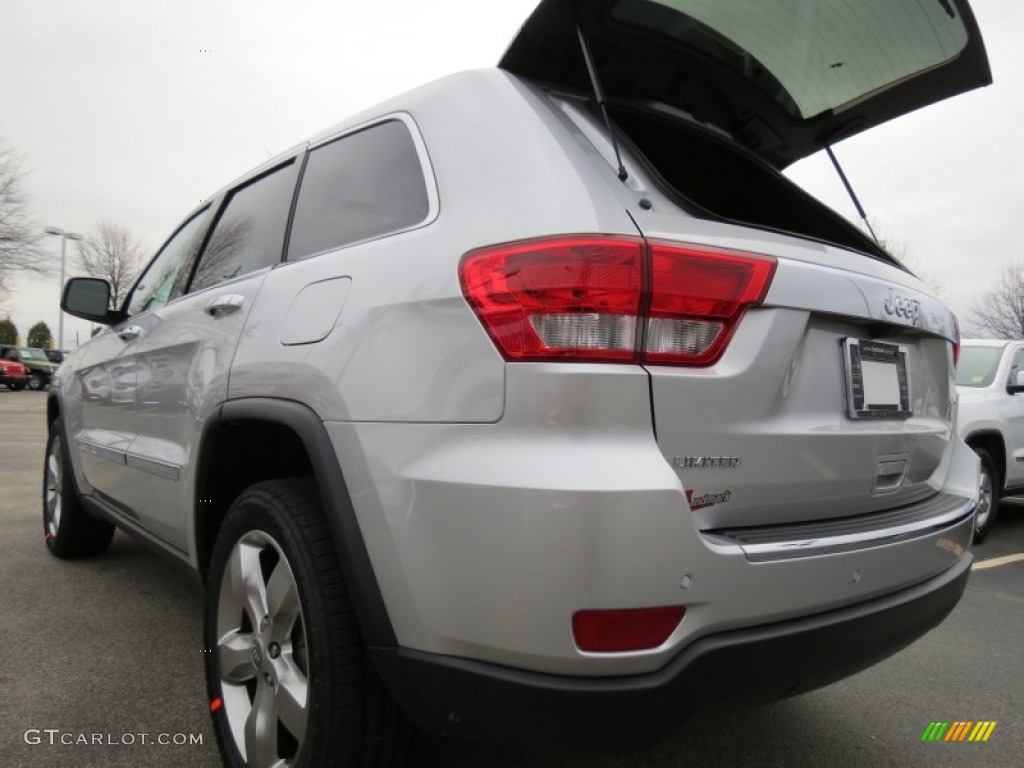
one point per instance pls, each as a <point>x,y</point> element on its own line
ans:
<point>494,704</point>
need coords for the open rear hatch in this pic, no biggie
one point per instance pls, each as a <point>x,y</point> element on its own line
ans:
<point>784,78</point>
<point>831,394</point>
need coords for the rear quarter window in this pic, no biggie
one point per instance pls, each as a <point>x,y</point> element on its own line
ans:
<point>360,186</point>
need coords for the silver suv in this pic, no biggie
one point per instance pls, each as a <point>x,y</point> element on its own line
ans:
<point>535,405</point>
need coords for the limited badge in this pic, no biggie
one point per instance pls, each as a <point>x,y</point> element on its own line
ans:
<point>706,462</point>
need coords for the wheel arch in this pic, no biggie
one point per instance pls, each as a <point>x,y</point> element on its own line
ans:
<point>52,408</point>
<point>992,442</point>
<point>256,439</point>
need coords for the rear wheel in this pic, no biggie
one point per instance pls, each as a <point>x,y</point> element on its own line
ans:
<point>17,387</point>
<point>36,382</point>
<point>69,530</point>
<point>288,679</point>
<point>988,501</point>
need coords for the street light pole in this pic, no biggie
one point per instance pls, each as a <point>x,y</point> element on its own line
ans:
<point>64,237</point>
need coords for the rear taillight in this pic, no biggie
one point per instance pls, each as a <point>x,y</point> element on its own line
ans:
<point>697,297</point>
<point>597,298</point>
<point>553,299</point>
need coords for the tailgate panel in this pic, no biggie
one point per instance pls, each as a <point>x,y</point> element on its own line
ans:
<point>765,436</point>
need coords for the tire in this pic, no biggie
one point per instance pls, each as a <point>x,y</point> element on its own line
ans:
<point>37,382</point>
<point>17,387</point>
<point>988,503</point>
<point>293,684</point>
<point>68,528</point>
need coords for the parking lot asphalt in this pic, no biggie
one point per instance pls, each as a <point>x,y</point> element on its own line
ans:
<point>111,648</point>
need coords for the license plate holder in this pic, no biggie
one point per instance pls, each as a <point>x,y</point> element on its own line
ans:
<point>877,380</point>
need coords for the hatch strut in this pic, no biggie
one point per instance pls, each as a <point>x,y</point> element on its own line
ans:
<point>599,96</point>
<point>849,189</point>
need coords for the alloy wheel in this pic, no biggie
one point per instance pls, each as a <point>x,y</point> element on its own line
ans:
<point>54,488</point>
<point>984,500</point>
<point>262,653</point>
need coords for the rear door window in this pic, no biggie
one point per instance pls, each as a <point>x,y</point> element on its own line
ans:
<point>361,186</point>
<point>249,233</point>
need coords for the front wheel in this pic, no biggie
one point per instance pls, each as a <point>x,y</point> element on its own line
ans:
<point>988,497</point>
<point>68,529</point>
<point>288,679</point>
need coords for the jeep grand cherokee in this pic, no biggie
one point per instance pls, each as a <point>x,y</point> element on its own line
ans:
<point>535,405</point>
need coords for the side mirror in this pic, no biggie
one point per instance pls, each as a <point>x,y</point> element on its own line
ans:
<point>89,298</point>
<point>1017,383</point>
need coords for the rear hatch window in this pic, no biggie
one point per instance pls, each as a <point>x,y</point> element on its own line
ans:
<point>784,78</point>
<point>809,56</point>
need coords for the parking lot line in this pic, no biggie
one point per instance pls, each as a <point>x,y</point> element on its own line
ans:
<point>996,561</point>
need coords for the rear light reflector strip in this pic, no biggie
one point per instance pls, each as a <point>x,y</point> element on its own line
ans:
<point>633,629</point>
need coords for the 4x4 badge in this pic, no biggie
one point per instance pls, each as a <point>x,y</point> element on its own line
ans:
<point>707,500</point>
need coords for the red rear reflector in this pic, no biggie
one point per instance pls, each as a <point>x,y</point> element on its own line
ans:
<point>633,629</point>
<point>216,704</point>
<point>612,299</point>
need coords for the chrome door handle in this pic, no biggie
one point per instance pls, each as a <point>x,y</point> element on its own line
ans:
<point>129,333</point>
<point>225,304</point>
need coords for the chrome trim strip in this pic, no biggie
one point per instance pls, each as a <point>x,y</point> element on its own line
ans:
<point>102,451</point>
<point>153,466</point>
<point>791,541</point>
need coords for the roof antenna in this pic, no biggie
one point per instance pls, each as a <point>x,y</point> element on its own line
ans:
<point>853,195</point>
<point>599,96</point>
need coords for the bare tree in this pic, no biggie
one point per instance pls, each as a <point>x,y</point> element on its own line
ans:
<point>113,253</point>
<point>20,235</point>
<point>1000,312</point>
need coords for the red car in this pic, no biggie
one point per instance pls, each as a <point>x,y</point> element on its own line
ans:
<point>13,374</point>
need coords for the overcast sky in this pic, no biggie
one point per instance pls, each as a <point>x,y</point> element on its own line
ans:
<point>133,111</point>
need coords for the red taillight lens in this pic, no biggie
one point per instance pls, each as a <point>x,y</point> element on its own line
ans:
<point>599,298</point>
<point>697,296</point>
<point>634,629</point>
<point>575,297</point>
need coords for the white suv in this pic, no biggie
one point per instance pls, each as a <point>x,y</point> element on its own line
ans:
<point>990,382</point>
<point>535,405</point>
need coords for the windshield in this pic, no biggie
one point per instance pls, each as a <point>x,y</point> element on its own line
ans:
<point>809,56</point>
<point>29,353</point>
<point>977,366</point>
